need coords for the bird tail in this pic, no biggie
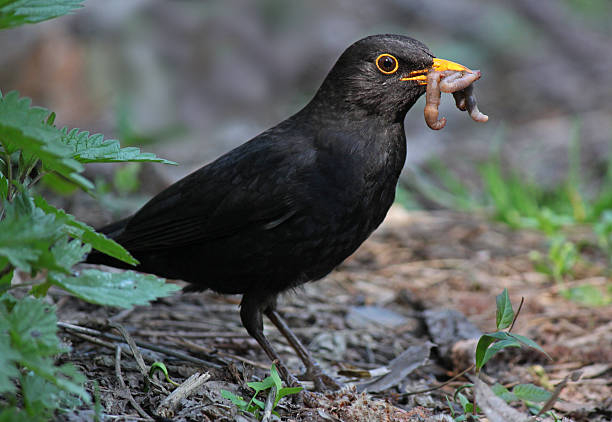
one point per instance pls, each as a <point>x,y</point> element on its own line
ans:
<point>112,231</point>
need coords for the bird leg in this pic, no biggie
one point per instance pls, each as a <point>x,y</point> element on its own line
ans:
<point>252,319</point>
<point>322,381</point>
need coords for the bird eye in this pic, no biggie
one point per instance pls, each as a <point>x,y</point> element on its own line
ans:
<point>387,64</point>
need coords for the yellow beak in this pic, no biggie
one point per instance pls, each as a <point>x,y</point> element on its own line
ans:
<point>439,65</point>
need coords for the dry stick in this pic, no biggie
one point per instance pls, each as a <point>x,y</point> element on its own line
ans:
<point>199,348</point>
<point>136,406</point>
<point>517,313</point>
<point>143,344</point>
<point>137,356</point>
<point>574,376</point>
<point>269,407</point>
<point>441,385</point>
<point>167,406</point>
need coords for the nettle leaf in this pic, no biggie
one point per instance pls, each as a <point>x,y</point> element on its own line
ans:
<point>96,149</point>
<point>530,392</point>
<point>24,128</point>
<point>30,326</point>
<point>8,357</point>
<point>86,233</point>
<point>26,235</point>
<point>504,314</point>
<point>18,12</point>
<point>67,253</point>
<point>124,289</point>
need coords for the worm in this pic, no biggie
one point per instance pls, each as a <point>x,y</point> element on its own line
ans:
<point>472,108</point>
<point>432,101</point>
<point>457,83</point>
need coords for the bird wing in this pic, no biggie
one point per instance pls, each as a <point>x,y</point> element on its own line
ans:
<point>247,188</point>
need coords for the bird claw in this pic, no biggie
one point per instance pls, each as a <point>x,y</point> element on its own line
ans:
<point>322,381</point>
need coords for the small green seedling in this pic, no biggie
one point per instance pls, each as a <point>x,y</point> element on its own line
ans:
<point>255,406</point>
<point>159,366</point>
<point>490,344</point>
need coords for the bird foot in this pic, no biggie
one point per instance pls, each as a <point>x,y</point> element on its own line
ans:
<point>322,381</point>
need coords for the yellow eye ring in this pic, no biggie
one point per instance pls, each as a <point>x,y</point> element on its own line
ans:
<point>387,64</point>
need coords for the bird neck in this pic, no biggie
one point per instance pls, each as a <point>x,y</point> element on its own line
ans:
<point>345,102</point>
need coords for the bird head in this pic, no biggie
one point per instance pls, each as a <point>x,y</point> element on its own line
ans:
<point>380,75</point>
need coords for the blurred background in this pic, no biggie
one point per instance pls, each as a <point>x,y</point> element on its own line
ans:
<point>189,80</point>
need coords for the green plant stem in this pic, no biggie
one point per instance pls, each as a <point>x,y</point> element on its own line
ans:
<point>27,172</point>
<point>37,178</point>
<point>9,175</point>
<point>6,269</point>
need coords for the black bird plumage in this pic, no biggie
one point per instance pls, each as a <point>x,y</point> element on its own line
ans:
<point>292,203</point>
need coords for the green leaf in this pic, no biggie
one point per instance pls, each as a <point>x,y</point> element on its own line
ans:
<point>8,357</point>
<point>5,280</point>
<point>529,343</point>
<point>159,366</point>
<point>4,184</point>
<point>498,347</point>
<point>86,233</point>
<point>483,344</point>
<point>261,385</point>
<point>530,392</point>
<point>124,289</point>
<point>286,392</point>
<point>26,233</point>
<point>23,128</point>
<point>275,377</point>
<point>503,393</point>
<point>587,294</point>
<point>31,327</point>
<point>18,12</point>
<point>96,149</point>
<point>238,401</point>
<point>67,253</point>
<point>504,314</point>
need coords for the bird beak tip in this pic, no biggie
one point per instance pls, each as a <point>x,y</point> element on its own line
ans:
<point>441,65</point>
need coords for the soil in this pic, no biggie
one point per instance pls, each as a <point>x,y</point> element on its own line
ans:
<point>423,278</point>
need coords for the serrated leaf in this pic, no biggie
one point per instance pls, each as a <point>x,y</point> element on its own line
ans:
<point>67,253</point>
<point>123,290</point>
<point>31,326</point>
<point>529,343</point>
<point>26,233</point>
<point>8,357</point>
<point>86,233</point>
<point>530,392</point>
<point>23,128</point>
<point>18,12</point>
<point>96,149</point>
<point>504,314</point>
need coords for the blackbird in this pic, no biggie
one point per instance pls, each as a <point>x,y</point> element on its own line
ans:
<point>292,203</point>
